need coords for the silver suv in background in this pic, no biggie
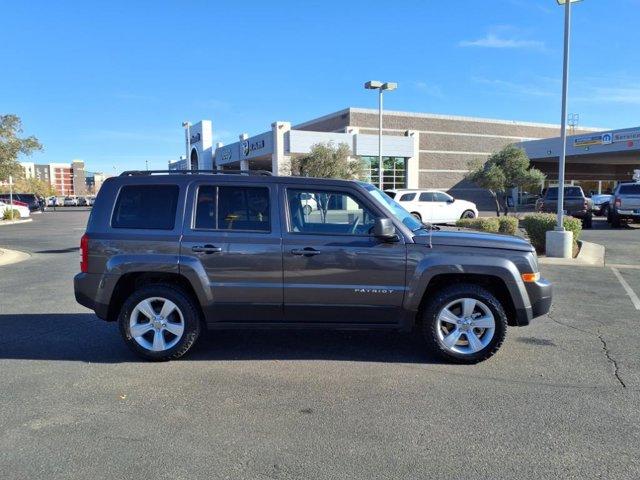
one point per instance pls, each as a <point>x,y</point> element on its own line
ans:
<point>626,204</point>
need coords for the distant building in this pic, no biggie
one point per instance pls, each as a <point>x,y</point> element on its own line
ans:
<point>65,178</point>
<point>93,182</point>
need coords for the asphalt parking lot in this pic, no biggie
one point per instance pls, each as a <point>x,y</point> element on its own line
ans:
<point>560,400</point>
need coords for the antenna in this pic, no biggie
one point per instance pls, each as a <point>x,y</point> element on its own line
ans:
<point>573,119</point>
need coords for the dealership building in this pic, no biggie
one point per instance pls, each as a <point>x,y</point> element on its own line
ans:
<point>420,150</point>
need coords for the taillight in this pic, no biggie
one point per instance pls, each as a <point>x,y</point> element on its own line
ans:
<point>84,253</point>
<point>618,202</point>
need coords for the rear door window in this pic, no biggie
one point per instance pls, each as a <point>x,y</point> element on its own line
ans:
<point>427,197</point>
<point>146,207</point>
<point>232,208</point>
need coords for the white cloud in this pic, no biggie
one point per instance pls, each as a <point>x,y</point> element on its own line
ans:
<point>542,87</point>
<point>491,40</point>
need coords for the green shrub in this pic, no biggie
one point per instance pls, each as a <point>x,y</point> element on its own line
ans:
<point>10,214</point>
<point>538,224</point>
<point>484,224</point>
<point>508,225</point>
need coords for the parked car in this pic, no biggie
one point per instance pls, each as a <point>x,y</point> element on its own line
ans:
<point>52,201</point>
<point>575,204</point>
<point>90,199</point>
<point>601,204</point>
<point>165,255</point>
<point>29,200</point>
<point>433,206</point>
<point>70,201</point>
<point>24,211</point>
<point>626,204</point>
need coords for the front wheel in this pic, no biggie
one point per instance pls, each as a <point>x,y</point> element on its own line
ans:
<point>307,210</point>
<point>587,222</point>
<point>468,214</point>
<point>464,323</point>
<point>159,322</point>
<point>417,216</point>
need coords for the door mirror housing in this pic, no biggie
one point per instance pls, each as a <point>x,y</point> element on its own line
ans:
<point>384,229</point>
<point>451,200</point>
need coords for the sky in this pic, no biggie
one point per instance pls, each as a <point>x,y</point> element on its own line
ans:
<point>111,82</point>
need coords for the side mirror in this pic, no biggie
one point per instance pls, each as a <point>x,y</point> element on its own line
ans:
<point>384,229</point>
<point>451,200</point>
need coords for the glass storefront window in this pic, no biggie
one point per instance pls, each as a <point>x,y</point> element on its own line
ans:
<point>394,171</point>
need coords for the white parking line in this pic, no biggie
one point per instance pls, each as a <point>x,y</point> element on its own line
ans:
<point>632,295</point>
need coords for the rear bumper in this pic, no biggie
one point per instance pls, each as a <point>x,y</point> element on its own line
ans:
<point>627,213</point>
<point>85,288</point>
<point>540,299</point>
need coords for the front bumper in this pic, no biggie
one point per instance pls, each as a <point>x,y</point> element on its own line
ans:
<point>628,213</point>
<point>540,298</point>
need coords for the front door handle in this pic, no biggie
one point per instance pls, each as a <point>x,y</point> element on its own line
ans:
<point>206,249</point>
<point>306,251</point>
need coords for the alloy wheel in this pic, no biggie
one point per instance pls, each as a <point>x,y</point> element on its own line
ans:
<point>156,324</point>
<point>465,326</point>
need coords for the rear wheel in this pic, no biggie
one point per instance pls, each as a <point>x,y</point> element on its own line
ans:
<point>159,322</point>
<point>468,214</point>
<point>464,323</point>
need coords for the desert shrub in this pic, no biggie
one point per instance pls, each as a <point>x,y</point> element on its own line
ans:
<point>484,224</point>
<point>538,224</point>
<point>10,214</point>
<point>508,225</point>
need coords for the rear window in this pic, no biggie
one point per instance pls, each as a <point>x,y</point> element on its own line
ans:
<point>552,193</point>
<point>147,207</point>
<point>629,190</point>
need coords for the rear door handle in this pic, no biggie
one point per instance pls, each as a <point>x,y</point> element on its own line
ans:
<point>306,251</point>
<point>206,249</point>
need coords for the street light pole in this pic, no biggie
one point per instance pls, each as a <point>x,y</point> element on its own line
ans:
<point>559,242</point>
<point>563,124</point>
<point>380,165</point>
<point>376,85</point>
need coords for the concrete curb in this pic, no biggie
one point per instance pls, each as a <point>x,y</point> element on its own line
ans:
<point>7,257</point>
<point>13,222</point>
<point>590,255</point>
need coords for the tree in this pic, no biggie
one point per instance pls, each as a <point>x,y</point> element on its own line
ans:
<point>326,160</point>
<point>509,168</point>
<point>31,185</point>
<point>12,145</point>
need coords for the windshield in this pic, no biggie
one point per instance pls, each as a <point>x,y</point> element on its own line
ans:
<point>393,207</point>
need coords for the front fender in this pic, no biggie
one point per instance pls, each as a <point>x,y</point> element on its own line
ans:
<point>423,266</point>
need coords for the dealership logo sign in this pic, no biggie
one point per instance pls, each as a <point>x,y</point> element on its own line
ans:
<point>226,155</point>
<point>248,147</point>
<point>598,139</point>
<point>628,136</point>
<point>195,138</point>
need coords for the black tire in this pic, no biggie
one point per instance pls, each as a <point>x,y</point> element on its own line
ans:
<point>307,210</point>
<point>468,214</point>
<point>587,222</point>
<point>417,216</point>
<point>187,307</point>
<point>605,211</point>
<point>451,293</point>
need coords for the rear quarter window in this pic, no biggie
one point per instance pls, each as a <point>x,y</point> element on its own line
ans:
<point>146,207</point>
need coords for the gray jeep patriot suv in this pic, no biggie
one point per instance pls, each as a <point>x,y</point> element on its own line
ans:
<point>168,254</point>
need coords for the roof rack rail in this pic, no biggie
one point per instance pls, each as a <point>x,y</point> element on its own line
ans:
<point>135,173</point>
